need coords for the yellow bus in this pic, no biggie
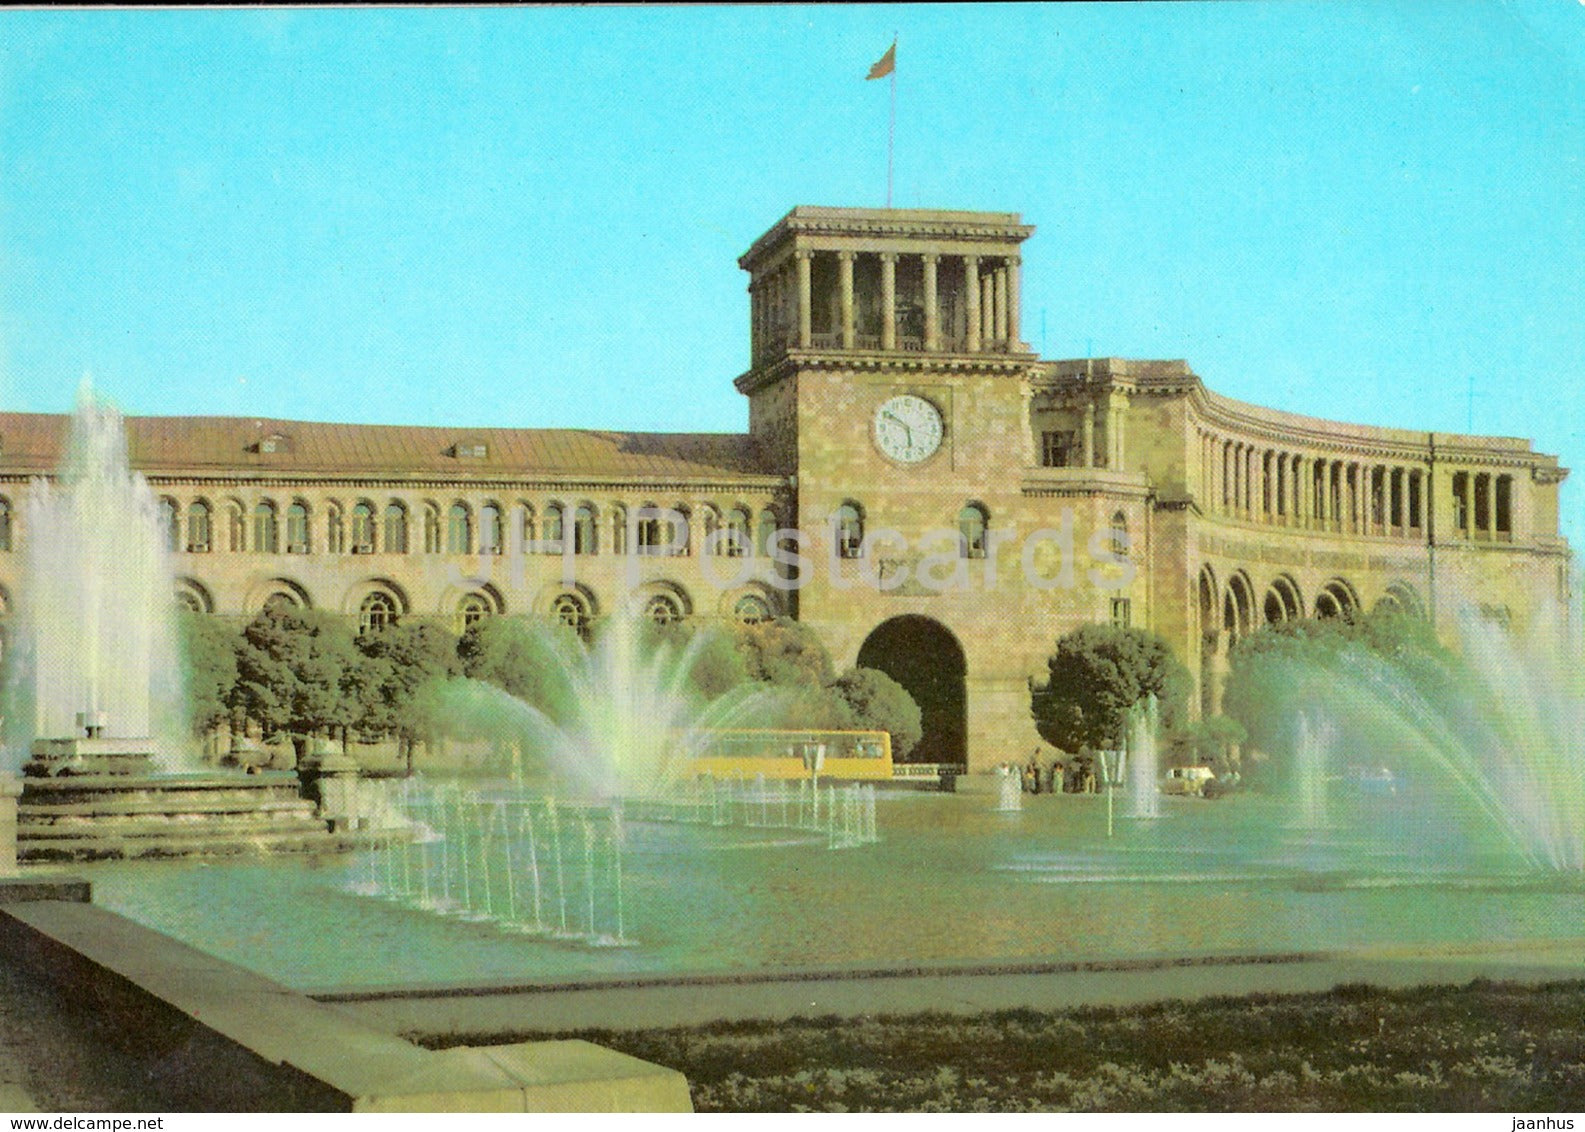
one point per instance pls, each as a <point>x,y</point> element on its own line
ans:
<point>846,755</point>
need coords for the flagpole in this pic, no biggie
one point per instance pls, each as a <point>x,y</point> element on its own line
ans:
<point>891,127</point>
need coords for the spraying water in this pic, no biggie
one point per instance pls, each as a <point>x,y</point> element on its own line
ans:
<point>1313,742</point>
<point>1144,760</point>
<point>95,616</point>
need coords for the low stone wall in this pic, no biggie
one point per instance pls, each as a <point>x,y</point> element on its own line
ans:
<point>219,1038</point>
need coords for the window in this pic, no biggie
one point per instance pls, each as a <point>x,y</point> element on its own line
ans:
<point>972,521</point>
<point>663,609</point>
<point>473,609</point>
<point>525,527</point>
<point>681,531</point>
<point>171,525</point>
<point>377,612</point>
<point>198,528</point>
<point>459,530</point>
<point>1461,501</point>
<point>363,528</point>
<point>751,609</point>
<point>395,528</point>
<point>335,530</point>
<point>649,530</point>
<point>1059,449</point>
<point>236,528</point>
<point>1119,535</point>
<point>1503,506</point>
<point>572,611</point>
<point>189,600</point>
<point>431,529</point>
<point>848,528</point>
<point>735,536</point>
<point>281,599</point>
<point>1122,612</point>
<point>764,540</point>
<point>5,524</point>
<point>266,529</point>
<point>297,528</point>
<point>552,529</point>
<point>584,530</point>
<point>619,530</point>
<point>490,529</point>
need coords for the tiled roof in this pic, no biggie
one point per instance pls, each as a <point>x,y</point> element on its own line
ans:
<point>33,442</point>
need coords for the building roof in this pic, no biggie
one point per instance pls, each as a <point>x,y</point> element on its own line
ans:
<point>33,443</point>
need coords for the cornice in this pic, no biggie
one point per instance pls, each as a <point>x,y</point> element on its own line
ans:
<point>881,361</point>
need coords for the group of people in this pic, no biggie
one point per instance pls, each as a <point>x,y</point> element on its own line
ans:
<point>1059,777</point>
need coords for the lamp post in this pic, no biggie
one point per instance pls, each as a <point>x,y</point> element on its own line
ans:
<point>1112,772</point>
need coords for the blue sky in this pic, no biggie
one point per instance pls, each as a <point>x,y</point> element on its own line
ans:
<point>532,216</point>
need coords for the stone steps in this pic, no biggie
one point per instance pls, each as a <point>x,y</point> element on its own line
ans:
<point>106,844</point>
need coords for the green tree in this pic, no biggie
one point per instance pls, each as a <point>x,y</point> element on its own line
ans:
<point>786,653</point>
<point>393,679</point>
<point>209,658</point>
<point>525,657</point>
<point>293,671</point>
<point>873,701</point>
<point>1097,673</point>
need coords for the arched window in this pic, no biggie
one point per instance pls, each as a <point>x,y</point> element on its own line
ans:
<point>236,528</point>
<point>1118,535</point>
<point>525,527</point>
<point>266,529</point>
<point>395,528</point>
<point>649,530</point>
<point>572,611</point>
<point>751,609</point>
<point>335,530</point>
<point>281,599</point>
<point>619,529</point>
<point>972,522</point>
<point>681,531</point>
<point>847,524</point>
<point>363,527</point>
<point>663,609</point>
<point>552,529</point>
<point>378,611</point>
<point>198,528</point>
<point>711,518</point>
<point>171,524</point>
<point>735,539</point>
<point>431,529</point>
<point>297,528</point>
<point>5,524</point>
<point>490,529</point>
<point>472,609</point>
<point>766,536</point>
<point>189,600</point>
<point>585,530</point>
<point>459,530</point>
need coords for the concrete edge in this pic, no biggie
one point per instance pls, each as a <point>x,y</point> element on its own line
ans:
<point>220,1038</point>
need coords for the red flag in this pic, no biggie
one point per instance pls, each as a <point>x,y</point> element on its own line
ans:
<point>885,65</point>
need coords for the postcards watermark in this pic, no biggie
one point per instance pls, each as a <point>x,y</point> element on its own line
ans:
<point>845,556</point>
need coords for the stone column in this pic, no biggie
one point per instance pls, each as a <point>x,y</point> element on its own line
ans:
<point>932,307</point>
<point>1014,333</point>
<point>988,309</point>
<point>805,321</point>
<point>971,288</point>
<point>1027,390</point>
<point>845,271</point>
<point>1000,280</point>
<point>1089,434</point>
<point>1118,412</point>
<point>10,789</point>
<point>888,300</point>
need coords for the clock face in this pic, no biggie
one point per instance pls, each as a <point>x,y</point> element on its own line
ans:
<point>908,428</point>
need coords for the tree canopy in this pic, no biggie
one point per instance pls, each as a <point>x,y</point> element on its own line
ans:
<point>1096,675</point>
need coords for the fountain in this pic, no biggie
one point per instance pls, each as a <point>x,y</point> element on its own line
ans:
<point>95,650</point>
<point>1313,740</point>
<point>1144,761</point>
<point>1009,790</point>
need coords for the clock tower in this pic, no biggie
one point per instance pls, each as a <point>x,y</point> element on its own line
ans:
<point>890,383</point>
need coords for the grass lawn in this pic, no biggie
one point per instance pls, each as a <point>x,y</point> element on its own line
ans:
<point>1481,1047</point>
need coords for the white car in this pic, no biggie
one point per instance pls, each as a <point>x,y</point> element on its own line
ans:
<point>1187,780</point>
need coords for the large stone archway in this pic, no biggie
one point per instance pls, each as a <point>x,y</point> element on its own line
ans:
<point>924,657</point>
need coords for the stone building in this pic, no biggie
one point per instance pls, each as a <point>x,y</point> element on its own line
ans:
<point>916,484</point>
